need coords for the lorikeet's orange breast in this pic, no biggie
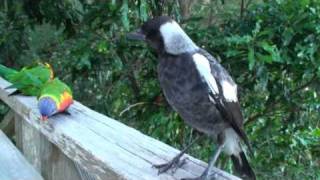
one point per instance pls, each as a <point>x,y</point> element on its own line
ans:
<point>65,101</point>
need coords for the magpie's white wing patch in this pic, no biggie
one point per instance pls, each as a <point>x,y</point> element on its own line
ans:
<point>203,67</point>
<point>229,91</point>
<point>220,83</point>
<point>229,88</point>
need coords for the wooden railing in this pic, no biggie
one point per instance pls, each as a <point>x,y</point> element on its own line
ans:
<point>89,145</point>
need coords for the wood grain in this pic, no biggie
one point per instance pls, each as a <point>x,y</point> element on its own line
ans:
<point>43,155</point>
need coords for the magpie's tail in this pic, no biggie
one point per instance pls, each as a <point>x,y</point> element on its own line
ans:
<point>242,166</point>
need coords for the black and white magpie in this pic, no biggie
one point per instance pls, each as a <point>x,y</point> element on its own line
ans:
<point>199,89</point>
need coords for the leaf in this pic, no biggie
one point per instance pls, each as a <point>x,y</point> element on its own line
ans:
<point>257,28</point>
<point>263,75</point>
<point>236,39</point>
<point>272,50</point>
<point>124,14</point>
<point>84,62</point>
<point>251,58</point>
<point>102,47</point>
<point>287,36</point>
<point>112,5</point>
<point>264,58</point>
<point>304,3</point>
<point>232,53</point>
<point>316,132</point>
<point>143,8</point>
<point>302,141</point>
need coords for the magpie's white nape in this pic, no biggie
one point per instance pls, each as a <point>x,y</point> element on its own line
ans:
<point>175,40</point>
<point>200,90</point>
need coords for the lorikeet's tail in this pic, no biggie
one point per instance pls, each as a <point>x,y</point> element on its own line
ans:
<point>6,72</point>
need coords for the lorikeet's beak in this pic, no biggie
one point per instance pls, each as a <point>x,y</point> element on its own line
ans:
<point>136,35</point>
<point>44,118</point>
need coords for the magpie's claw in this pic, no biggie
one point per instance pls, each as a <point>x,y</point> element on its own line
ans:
<point>174,164</point>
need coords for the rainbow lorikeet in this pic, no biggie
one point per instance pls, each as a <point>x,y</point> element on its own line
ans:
<point>29,80</point>
<point>55,97</point>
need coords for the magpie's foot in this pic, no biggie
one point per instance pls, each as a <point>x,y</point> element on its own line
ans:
<point>174,164</point>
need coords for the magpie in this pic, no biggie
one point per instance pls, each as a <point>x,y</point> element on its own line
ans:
<point>200,90</point>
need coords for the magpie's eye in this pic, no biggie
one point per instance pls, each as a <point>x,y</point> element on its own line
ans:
<point>152,33</point>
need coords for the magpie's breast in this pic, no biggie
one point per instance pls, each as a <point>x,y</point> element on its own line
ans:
<point>188,94</point>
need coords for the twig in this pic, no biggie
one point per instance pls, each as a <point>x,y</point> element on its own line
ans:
<point>273,104</point>
<point>304,85</point>
<point>248,3</point>
<point>241,8</point>
<point>131,106</point>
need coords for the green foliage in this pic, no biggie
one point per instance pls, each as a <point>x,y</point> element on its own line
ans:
<point>272,52</point>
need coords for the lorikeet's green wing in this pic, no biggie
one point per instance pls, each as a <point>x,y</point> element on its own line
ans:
<point>6,72</point>
<point>43,72</point>
<point>27,84</point>
<point>29,80</point>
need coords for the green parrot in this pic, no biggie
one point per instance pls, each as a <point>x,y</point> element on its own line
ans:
<point>55,97</point>
<point>29,80</point>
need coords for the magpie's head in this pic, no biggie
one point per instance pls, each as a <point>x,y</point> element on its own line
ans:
<point>164,34</point>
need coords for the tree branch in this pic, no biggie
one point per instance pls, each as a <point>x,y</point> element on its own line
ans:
<point>241,8</point>
<point>274,103</point>
<point>135,105</point>
<point>305,85</point>
<point>248,3</point>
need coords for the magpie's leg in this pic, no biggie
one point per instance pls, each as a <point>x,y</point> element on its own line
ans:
<point>175,162</point>
<point>207,175</point>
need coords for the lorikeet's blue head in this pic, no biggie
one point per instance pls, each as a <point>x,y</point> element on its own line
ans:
<point>47,107</point>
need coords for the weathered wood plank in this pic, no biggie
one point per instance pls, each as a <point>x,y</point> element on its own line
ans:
<point>104,147</point>
<point>13,166</point>
<point>28,142</point>
<point>44,155</point>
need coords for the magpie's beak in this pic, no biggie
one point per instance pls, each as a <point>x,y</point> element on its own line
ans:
<point>136,35</point>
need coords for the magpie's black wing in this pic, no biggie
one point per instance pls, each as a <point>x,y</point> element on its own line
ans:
<point>222,91</point>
